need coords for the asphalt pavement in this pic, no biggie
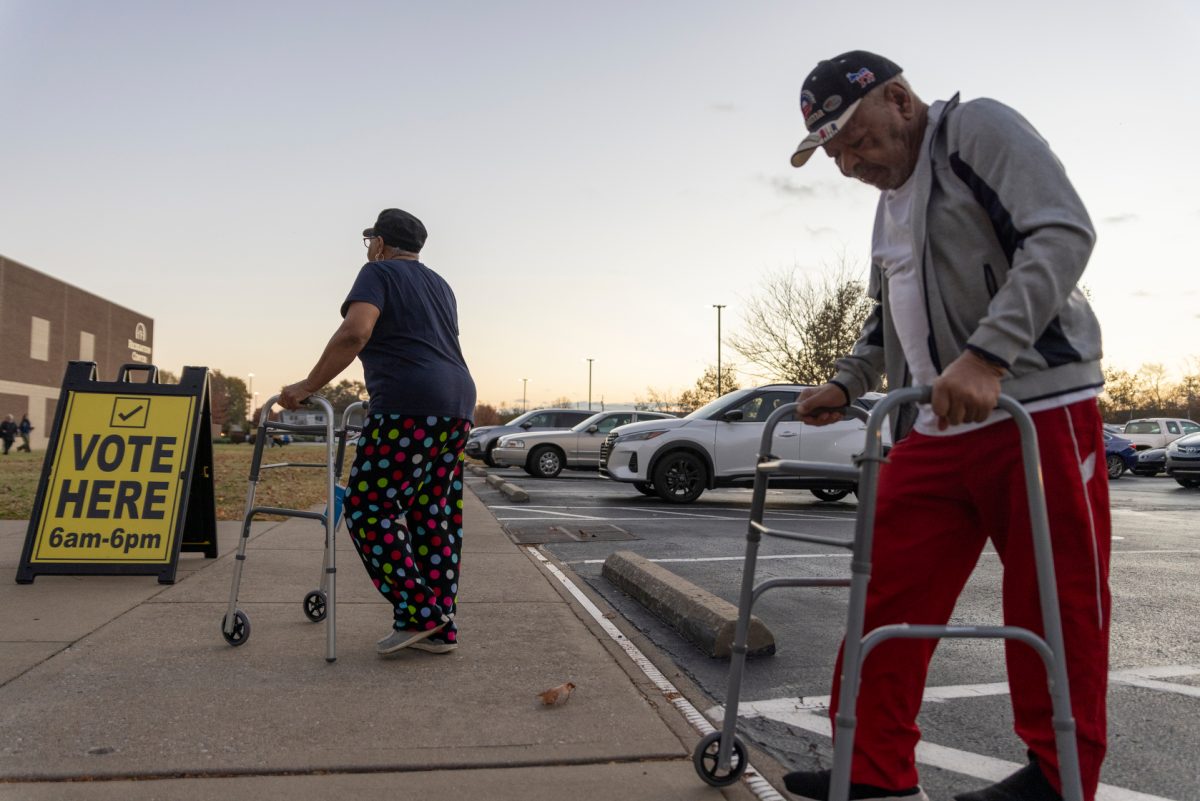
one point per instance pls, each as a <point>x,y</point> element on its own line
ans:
<point>1154,698</point>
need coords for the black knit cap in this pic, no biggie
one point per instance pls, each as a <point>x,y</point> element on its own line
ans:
<point>399,229</point>
<point>831,94</point>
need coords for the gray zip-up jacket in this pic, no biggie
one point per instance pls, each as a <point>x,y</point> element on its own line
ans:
<point>1001,239</point>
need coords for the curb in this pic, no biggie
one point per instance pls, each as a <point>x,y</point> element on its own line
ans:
<point>511,491</point>
<point>698,615</point>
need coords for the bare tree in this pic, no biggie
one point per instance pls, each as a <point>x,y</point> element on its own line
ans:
<point>486,415</point>
<point>795,329</point>
<point>705,389</point>
<point>1187,393</point>
<point>656,400</point>
<point>1153,378</point>
<point>1121,393</point>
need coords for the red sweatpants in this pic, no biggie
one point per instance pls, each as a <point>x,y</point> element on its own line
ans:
<point>940,499</point>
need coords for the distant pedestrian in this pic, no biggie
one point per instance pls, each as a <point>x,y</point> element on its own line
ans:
<point>404,501</point>
<point>8,433</point>
<point>24,427</point>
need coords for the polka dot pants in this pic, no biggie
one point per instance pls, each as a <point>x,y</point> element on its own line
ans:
<point>404,511</point>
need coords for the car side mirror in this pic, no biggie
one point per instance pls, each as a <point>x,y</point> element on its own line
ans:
<point>593,428</point>
<point>526,426</point>
<point>733,416</point>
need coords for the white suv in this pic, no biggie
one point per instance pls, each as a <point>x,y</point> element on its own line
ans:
<point>717,446</point>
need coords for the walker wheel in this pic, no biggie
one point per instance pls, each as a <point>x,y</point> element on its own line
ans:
<point>314,605</point>
<point>241,628</point>
<point>705,760</point>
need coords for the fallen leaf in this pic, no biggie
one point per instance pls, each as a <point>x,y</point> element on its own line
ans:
<point>556,696</point>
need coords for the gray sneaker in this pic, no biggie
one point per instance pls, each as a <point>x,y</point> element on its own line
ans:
<point>404,638</point>
<point>435,646</point>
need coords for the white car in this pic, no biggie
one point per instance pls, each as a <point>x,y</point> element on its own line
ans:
<point>717,446</point>
<point>1157,432</point>
<point>544,454</point>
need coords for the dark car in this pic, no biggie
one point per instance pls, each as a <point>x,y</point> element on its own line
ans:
<point>1119,455</point>
<point>1151,462</point>
<point>482,440</point>
<point>1183,461</point>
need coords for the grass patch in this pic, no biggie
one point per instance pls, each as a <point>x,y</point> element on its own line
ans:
<point>294,487</point>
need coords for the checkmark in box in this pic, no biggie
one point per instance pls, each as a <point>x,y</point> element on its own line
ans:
<point>130,412</point>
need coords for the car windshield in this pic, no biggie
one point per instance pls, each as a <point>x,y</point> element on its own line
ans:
<point>606,420</point>
<point>516,421</point>
<point>1142,427</point>
<point>712,406</point>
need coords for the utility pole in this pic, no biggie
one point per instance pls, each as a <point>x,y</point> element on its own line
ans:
<point>590,360</point>
<point>718,307</point>
<point>524,386</point>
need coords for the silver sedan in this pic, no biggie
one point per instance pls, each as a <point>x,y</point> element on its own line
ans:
<point>544,454</point>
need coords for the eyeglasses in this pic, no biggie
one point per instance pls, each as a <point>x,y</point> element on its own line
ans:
<point>367,241</point>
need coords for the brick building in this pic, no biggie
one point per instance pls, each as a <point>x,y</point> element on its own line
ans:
<point>45,323</point>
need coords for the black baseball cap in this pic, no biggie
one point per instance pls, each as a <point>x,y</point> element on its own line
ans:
<point>399,229</point>
<point>831,94</point>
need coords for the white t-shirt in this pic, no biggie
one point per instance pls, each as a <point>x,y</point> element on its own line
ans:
<point>895,254</point>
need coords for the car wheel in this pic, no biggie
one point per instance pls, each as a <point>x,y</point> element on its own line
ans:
<point>830,494</point>
<point>545,461</point>
<point>1116,466</point>
<point>488,459</point>
<point>1190,483</point>
<point>644,487</point>
<point>680,477</point>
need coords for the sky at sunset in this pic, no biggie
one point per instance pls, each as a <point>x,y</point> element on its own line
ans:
<point>594,176</point>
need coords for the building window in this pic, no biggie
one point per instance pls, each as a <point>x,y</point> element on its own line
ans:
<point>39,340</point>
<point>87,347</point>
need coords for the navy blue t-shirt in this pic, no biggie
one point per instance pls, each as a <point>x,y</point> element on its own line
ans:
<point>412,363</point>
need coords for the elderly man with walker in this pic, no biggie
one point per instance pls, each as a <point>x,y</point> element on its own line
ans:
<point>978,246</point>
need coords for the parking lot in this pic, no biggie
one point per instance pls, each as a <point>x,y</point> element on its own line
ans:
<point>1154,697</point>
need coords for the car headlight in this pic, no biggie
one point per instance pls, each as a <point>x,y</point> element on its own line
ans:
<point>641,435</point>
<point>1173,447</point>
<point>513,443</point>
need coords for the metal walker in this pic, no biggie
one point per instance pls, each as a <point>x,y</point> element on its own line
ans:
<point>319,604</point>
<point>720,757</point>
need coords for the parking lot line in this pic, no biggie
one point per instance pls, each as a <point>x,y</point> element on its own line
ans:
<point>958,761</point>
<point>761,557</point>
<point>809,713</point>
<point>1147,677</point>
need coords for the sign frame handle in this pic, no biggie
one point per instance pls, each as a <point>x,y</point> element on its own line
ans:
<point>130,367</point>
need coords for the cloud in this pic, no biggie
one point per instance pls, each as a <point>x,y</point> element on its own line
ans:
<point>789,187</point>
<point>819,230</point>
<point>1141,293</point>
<point>722,107</point>
<point>1117,219</point>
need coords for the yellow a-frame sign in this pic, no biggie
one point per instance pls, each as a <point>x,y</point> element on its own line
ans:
<point>127,481</point>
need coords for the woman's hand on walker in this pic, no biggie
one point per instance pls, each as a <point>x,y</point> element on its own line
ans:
<point>291,396</point>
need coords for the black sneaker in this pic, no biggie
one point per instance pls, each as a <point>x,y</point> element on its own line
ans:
<point>1027,784</point>
<point>814,784</point>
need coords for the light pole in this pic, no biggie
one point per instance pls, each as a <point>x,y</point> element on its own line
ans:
<point>524,386</point>
<point>718,307</point>
<point>590,360</point>
<point>250,392</point>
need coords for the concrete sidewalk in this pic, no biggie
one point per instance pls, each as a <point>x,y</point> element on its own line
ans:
<point>122,688</point>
